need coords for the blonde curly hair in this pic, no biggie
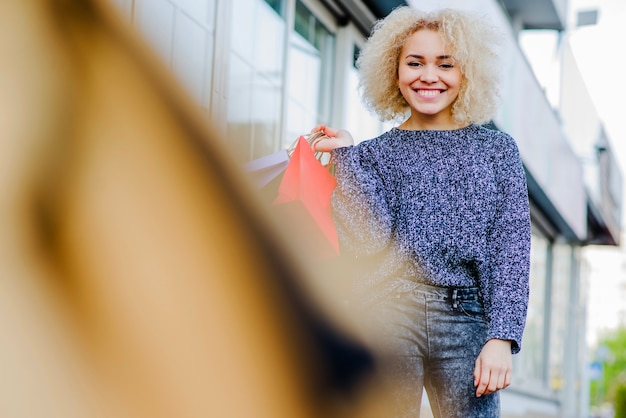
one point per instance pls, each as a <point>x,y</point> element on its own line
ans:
<point>470,41</point>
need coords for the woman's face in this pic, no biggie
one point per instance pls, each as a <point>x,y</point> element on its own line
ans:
<point>429,78</point>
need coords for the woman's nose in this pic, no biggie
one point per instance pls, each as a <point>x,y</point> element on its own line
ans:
<point>429,74</point>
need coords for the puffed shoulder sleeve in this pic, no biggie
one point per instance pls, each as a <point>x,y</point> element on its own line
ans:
<point>362,204</point>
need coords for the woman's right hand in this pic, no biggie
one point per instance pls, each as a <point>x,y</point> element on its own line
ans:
<point>336,138</point>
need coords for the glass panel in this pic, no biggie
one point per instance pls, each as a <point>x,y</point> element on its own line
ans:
<point>239,133</point>
<point>580,272</point>
<point>265,117</point>
<point>277,5</point>
<point>361,123</point>
<point>242,28</point>
<point>157,24</point>
<point>531,363</point>
<point>310,74</point>
<point>561,280</point>
<point>189,54</point>
<point>255,78</point>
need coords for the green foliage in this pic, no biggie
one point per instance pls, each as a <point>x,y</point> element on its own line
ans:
<point>620,401</point>
<point>611,353</point>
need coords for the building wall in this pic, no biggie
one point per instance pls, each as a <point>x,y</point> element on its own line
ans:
<point>266,71</point>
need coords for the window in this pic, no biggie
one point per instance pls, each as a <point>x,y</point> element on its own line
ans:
<point>255,78</point>
<point>310,74</point>
<point>361,123</point>
<point>560,308</point>
<point>277,5</point>
<point>532,360</point>
<point>270,104</point>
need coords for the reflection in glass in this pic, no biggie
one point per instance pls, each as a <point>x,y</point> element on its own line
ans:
<point>359,121</point>
<point>531,362</point>
<point>309,74</point>
<point>255,78</point>
<point>277,5</point>
<point>560,308</point>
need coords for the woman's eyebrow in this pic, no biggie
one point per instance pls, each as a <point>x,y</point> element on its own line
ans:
<point>440,57</point>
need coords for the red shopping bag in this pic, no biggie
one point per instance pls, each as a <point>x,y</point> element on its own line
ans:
<point>304,201</point>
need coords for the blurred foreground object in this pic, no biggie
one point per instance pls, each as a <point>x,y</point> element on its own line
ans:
<point>139,276</point>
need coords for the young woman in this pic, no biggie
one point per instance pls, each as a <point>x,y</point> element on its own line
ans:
<point>437,210</point>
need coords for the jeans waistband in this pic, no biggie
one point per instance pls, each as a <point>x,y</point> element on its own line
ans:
<point>449,293</point>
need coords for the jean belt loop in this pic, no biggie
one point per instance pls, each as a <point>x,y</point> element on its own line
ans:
<point>455,301</point>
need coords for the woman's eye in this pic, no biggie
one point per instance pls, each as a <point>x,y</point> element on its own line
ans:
<point>414,64</point>
<point>447,65</point>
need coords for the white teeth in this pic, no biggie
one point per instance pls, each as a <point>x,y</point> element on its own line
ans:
<point>428,92</point>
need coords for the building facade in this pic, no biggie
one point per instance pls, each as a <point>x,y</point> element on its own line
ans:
<point>266,71</point>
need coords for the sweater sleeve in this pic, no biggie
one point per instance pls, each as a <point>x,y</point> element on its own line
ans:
<point>361,207</point>
<point>505,289</point>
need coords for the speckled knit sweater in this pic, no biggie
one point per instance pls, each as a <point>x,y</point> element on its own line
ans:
<point>447,208</point>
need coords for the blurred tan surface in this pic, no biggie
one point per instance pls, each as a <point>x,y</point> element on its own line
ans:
<point>138,280</point>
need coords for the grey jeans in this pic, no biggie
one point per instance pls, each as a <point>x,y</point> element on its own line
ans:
<point>429,337</point>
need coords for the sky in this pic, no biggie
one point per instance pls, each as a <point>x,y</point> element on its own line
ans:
<point>601,58</point>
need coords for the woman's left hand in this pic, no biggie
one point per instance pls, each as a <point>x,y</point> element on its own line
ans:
<point>494,367</point>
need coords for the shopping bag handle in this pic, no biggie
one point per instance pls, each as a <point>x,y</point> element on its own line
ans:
<point>312,138</point>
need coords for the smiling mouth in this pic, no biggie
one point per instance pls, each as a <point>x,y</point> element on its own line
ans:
<point>429,93</point>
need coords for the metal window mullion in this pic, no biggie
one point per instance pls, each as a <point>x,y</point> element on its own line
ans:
<point>547,314</point>
<point>570,364</point>
<point>218,102</point>
<point>347,37</point>
<point>290,17</point>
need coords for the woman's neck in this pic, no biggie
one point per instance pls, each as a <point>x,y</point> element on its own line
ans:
<point>421,123</point>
